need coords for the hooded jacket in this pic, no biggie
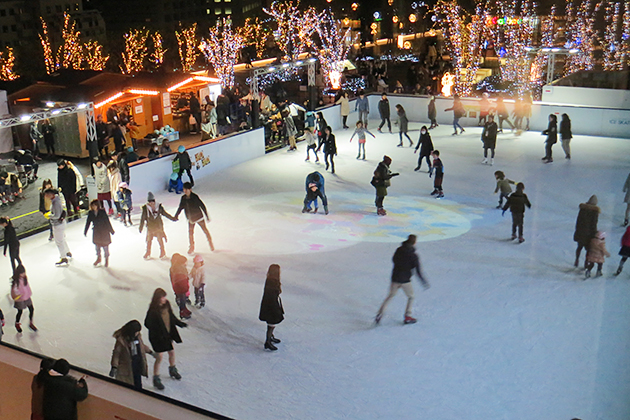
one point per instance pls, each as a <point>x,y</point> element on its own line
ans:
<point>516,202</point>
<point>405,262</point>
<point>586,223</point>
<point>121,358</point>
<point>383,108</point>
<point>102,228</point>
<point>597,251</point>
<point>153,219</point>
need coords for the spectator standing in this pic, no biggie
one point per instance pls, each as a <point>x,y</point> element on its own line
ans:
<point>67,183</point>
<point>35,136</point>
<point>344,108</point>
<point>44,204</point>
<point>271,310</point>
<point>62,392</point>
<point>37,389</point>
<point>48,131</point>
<point>102,135</point>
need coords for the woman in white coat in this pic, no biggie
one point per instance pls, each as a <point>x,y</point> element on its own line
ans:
<point>114,181</point>
<point>103,185</point>
<point>345,108</point>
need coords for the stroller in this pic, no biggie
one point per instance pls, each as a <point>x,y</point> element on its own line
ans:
<point>25,166</point>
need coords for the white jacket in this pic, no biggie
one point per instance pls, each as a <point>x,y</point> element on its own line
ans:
<point>101,177</point>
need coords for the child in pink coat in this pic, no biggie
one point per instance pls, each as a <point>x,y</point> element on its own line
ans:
<point>21,294</point>
<point>596,254</point>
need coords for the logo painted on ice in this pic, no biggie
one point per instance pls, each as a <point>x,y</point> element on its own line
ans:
<point>619,122</point>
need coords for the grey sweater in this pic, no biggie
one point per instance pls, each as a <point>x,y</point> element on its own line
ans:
<point>57,213</point>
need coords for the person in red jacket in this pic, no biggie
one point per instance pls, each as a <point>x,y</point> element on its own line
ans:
<point>179,280</point>
<point>624,251</point>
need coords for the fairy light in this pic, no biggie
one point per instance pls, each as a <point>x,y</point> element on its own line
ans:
<point>254,33</point>
<point>94,57</point>
<point>7,62</point>
<point>334,48</point>
<point>546,41</point>
<point>295,28</point>
<point>180,84</point>
<point>135,51</point>
<point>69,53</point>
<point>581,36</point>
<point>221,49</point>
<point>157,57</point>
<point>143,92</point>
<point>448,83</point>
<point>108,100</point>
<point>187,45</point>
<point>49,59</point>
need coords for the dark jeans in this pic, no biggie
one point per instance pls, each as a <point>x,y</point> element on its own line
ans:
<point>180,299</point>
<point>548,151</point>
<point>332,162</point>
<point>389,123</point>
<point>485,152</point>
<point>517,223</point>
<point>456,124</point>
<point>14,255</point>
<point>379,201</point>
<point>72,202</point>
<point>314,148</point>
<point>420,161</point>
<point>31,312</point>
<point>507,120</point>
<point>501,197</point>
<point>50,148</point>
<point>181,172</point>
<point>345,120</point>
<point>400,134</point>
<point>437,182</point>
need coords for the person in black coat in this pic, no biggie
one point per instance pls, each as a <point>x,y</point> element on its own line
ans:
<point>426,147</point>
<point>489,138</point>
<point>195,210</point>
<point>102,135</point>
<point>585,226</point>
<point>406,261</point>
<point>195,111</point>
<point>432,113</point>
<point>48,131</point>
<point>330,148</point>
<point>552,137</point>
<point>185,164</point>
<point>384,111</point>
<point>566,135</point>
<point>11,241</point>
<point>62,392</point>
<point>67,183</point>
<point>101,231</point>
<point>162,323</point>
<point>516,202</point>
<point>123,167</point>
<point>271,310</point>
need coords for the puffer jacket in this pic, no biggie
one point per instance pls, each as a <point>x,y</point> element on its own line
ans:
<point>597,252</point>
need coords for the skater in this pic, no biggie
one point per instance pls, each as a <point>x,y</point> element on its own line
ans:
<point>381,180</point>
<point>489,139</point>
<point>432,113</point>
<point>198,275</point>
<point>516,202</point>
<point>317,179</point>
<point>21,294</point>
<point>458,112</point>
<point>162,323</point>
<point>271,310</point>
<point>360,133</point>
<point>503,114</point>
<point>175,184</point>
<point>179,281</point>
<point>62,392</point>
<point>311,144</point>
<point>185,163</point>
<point>363,106</point>
<point>123,166</point>
<point>101,231</point>
<point>527,108</point>
<point>344,108</point>
<point>585,226</point>
<point>566,135</point>
<point>114,181</point>
<point>552,138</point>
<point>58,219</point>
<point>321,129</point>
<point>403,124</point>
<point>439,174</point>
<point>484,109</point>
<point>596,253</point>
<point>67,183</point>
<point>426,147</point>
<point>291,130</point>
<point>312,193</point>
<point>330,148</point>
<point>123,196</point>
<point>503,185</point>
<point>517,113</point>
<point>152,213</point>
<point>129,357</point>
<point>195,210</point>
<point>624,252</point>
<point>626,189</point>
<point>384,111</point>
<point>103,185</point>
<point>405,262</point>
<point>44,204</point>
<point>11,241</point>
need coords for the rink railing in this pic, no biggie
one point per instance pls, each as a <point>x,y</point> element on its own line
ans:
<point>108,399</point>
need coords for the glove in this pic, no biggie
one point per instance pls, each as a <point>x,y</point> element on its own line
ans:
<point>47,215</point>
<point>113,371</point>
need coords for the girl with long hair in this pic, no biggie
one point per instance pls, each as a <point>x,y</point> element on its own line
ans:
<point>271,310</point>
<point>403,123</point>
<point>21,294</point>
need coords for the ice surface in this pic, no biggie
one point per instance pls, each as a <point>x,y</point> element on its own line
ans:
<point>506,331</point>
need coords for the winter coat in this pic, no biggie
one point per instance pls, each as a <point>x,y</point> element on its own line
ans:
<point>153,154</point>
<point>489,135</point>
<point>124,170</point>
<point>381,179</point>
<point>516,202</point>
<point>503,185</point>
<point>67,180</point>
<point>626,189</point>
<point>457,108</point>
<point>425,144</point>
<point>383,108</point>
<point>551,132</point>
<point>405,262</point>
<point>198,275</point>
<point>271,310</point>
<point>114,179</point>
<point>290,126</point>
<point>330,145</point>
<point>362,105</point>
<point>403,122</point>
<point>61,394</point>
<point>184,160</point>
<point>121,358</point>
<point>193,208</point>
<point>625,239</point>
<point>102,228</point>
<point>21,292</point>
<point>345,106</point>
<point>586,224</point>
<point>124,199</point>
<point>432,114</point>
<point>596,251</point>
<point>565,130</point>
<point>321,126</point>
<point>103,184</point>
<point>160,338</point>
<point>57,212</point>
<point>438,167</point>
<point>48,131</point>
<point>179,279</point>
<point>10,238</point>
<point>223,114</point>
<point>153,220</point>
<point>44,203</point>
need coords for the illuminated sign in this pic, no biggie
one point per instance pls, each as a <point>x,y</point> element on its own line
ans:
<point>507,20</point>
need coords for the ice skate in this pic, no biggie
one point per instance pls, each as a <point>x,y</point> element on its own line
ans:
<point>598,273</point>
<point>68,254</point>
<point>619,270</point>
<point>162,254</point>
<point>32,326</point>
<point>326,210</point>
<point>358,157</point>
<point>173,373</point>
<point>274,340</point>
<point>513,236</point>
<point>521,240</point>
<point>491,161</point>
<point>625,223</point>
<point>61,262</point>
<point>399,145</point>
<point>306,210</point>
<point>98,261</point>
<point>184,314</point>
<point>307,159</point>
<point>435,192</point>
<point>417,168</point>
<point>410,320</point>
<point>51,237</point>
<point>454,134</point>
<point>463,131</point>
<point>587,274</point>
<point>315,211</point>
<point>106,262</point>
<point>269,346</point>
<point>18,327</point>
<point>498,207</point>
<point>550,160</point>
<point>440,195</point>
<point>363,157</point>
<point>484,161</point>
<point>147,256</point>
<point>157,382</point>
<point>111,211</point>
<point>191,250</point>
<point>377,319</point>
<point>577,262</point>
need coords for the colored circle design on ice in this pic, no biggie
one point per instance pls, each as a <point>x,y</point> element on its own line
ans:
<point>286,230</point>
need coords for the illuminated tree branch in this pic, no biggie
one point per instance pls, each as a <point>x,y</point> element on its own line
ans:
<point>221,50</point>
<point>187,42</point>
<point>135,51</point>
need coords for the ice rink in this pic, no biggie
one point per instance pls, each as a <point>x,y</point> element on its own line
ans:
<point>506,331</point>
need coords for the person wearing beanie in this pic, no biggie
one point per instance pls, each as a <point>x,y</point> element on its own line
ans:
<point>380,181</point>
<point>596,253</point>
<point>62,392</point>
<point>132,156</point>
<point>198,275</point>
<point>585,227</point>
<point>195,210</point>
<point>175,183</point>
<point>152,213</point>
<point>185,164</point>
<point>101,231</point>
<point>123,196</point>
<point>516,202</point>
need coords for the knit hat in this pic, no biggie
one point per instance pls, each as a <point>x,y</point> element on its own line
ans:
<point>61,162</point>
<point>61,366</point>
<point>181,149</point>
<point>174,176</point>
<point>592,200</point>
<point>150,196</point>
<point>123,185</point>
<point>198,258</point>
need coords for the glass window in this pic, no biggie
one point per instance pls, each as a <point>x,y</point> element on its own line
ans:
<point>228,10</point>
<point>11,12</point>
<point>217,11</point>
<point>3,12</point>
<point>207,11</point>
<point>14,28</point>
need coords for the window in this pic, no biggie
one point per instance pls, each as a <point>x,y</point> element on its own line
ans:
<point>217,11</point>
<point>13,28</point>
<point>5,28</point>
<point>207,11</point>
<point>11,12</point>
<point>217,1</point>
<point>228,10</point>
<point>3,12</point>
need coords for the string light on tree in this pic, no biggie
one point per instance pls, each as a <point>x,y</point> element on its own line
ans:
<point>295,28</point>
<point>135,51</point>
<point>49,59</point>
<point>581,36</point>
<point>547,41</point>
<point>157,57</point>
<point>254,33</point>
<point>221,49</point>
<point>69,54</point>
<point>94,58</point>
<point>334,48</point>
<point>7,62</point>
<point>188,47</point>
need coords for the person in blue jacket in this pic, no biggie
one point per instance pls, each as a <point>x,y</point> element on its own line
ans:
<point>317,180</point>
<point>363,106</point>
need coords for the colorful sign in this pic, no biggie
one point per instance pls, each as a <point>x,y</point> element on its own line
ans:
<point>508,20</point>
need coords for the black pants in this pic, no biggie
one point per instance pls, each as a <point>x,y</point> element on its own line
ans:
<point>590,265</point>
<point>136,368</point>
<point>400,134</point>
<point>517,223</point>
<point>50,148</point>
<point>507,120</point>
<point>389,123</point>
<point>345,120</point>
<point>427,159</point>
<point>14,255</point>
<point>332,162</point>
<point>72,202</point>
<point>31,312</point>
<point>437,182</point>
<point>181,172</point>
<point>485,152</point>
<point>200,296</point>
<point>379,201</point>
<point>548,151</point>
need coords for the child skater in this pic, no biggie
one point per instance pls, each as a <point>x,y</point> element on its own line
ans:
<point>439,174</point>
<point>596,253</point>
<point>503,185</point>
<point>311,198</point>
<point>311,144</point>
<point>179,281</point>
<point>175,183</point>
<point>21,294</point>
<point>198,275</point>
<point>360,132</point>
<point>11,241</point>
<point>516,202</point>
<point>124,201</point>
<point>624,252</point>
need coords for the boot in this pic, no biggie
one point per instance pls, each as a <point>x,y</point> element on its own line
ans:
<point>106,262</point>
<point>98,261</point>
<point>269,346</point>
<point>377,319</point>
<point>598,273</point>
<point>410,320</point>
<point>326,210</point>
<point>274,340</point>
<point>410,143</point>
<point>400,144</point>
<point>61,262</point>
<point>172,371</point>
<point>157,382</point>
<point>306,210</point>
<point>32,326</point>
<point>68,254</point>
<point>521,240</point>
<point>417,168</point>
<point>587,274</point>
<point>364,156</point>
<point>440,195</point>
<point>435,192</point>
<point>513,236</point>
<point>162,253</point>
<point>147,255</point>
<point>184,314</point>
<point>577,262</point>
<point>18,327</point>
<point>315,211</point>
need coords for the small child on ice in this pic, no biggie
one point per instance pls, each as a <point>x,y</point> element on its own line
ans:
<point>439,174</point>
<point>360,133</point>
<point>503,184</point>
<point>175,183</point>
<point>198,275</point>
<point>123,198</point>
<point>596,254</point>
<point>311,198</point>
<point>179,281</point>
<point>516,202</point>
